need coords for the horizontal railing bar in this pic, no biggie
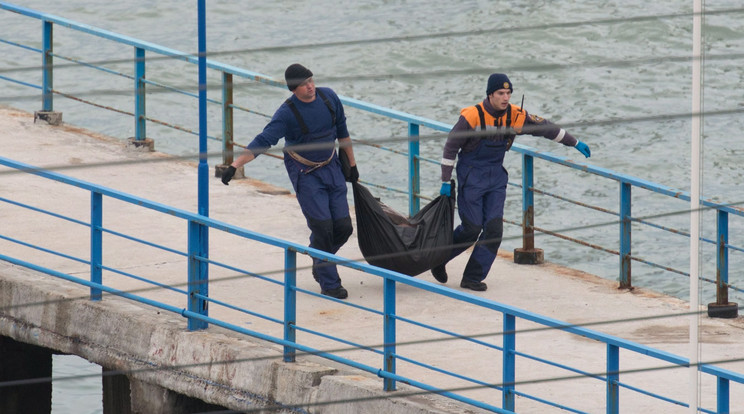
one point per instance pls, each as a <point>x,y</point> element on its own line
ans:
<point>546,402</point>
<point>623,178</point>
<point>450,333</point>
<point>561,366</point>
<point>354,345</point>
<point>729,246</point>
<point>145,242</point>
<point>42,249</point>
<point>92,66</point>
<point>575,240</point>
<point>180,91</point>
<point>179,128</point>
<point>670,230</point>
<point>349,304</point>
<point>449,373</point>
<point>650,394</point>
<point>578,203</point>
<point>449,394</point>
<point>30,85</point>
<point>244,109</point>
<point>242,272</point>
<point>109,108</point>
<point>380,147</point>
<point>142,279</point>
<point>429,160</point>
<point>22,46</point>
<point>669,269</point>
<point>238,309</point>
<point>47,212</point>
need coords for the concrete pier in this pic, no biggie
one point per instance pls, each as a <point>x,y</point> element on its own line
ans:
<point>167,366</point>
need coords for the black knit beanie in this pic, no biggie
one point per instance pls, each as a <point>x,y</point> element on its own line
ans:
<point>295,75</point>
<point>498,81</point>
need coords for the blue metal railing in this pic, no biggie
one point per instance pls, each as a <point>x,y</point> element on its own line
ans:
<point>528,253</point>
<point>196,296</point>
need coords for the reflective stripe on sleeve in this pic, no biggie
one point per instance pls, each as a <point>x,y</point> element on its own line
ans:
<point>560,136</point>
<point>448,162</point>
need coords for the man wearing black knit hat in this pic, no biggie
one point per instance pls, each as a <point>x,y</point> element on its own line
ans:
<point>479,141</point>
<point>310,128</point>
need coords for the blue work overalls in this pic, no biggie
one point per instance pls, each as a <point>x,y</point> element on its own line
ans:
<point>482,181</point>
<point>321,192</point>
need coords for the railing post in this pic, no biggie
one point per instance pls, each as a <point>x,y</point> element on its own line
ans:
<point>389,334</point>
<point>198,286</point>
<point>722,308</point>
<point>290,302</point>
<point>140,113</point>
<point>625,232</point>
<point>47,101</point>
<point>414,174</point>
<point>47,78</point>
<point>228,147</point>
<point>722,258</point>
<point>96,243</point>
<point>613,376</point>
<point>509,366</point>
<point>528,254</point>
<point>723,404</point>
<point>227,118</point>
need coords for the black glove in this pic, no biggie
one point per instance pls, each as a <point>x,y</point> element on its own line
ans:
<point>227,175</point>
<point>353,175</point>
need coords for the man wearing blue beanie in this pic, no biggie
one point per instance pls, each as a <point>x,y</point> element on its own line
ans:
<point>479,140</point>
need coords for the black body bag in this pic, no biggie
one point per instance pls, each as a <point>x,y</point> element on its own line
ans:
<point>406,245</point>
<point>395,242</point>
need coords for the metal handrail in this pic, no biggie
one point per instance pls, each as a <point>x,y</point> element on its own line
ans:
<point>391,279</point>
<point>528,154</point>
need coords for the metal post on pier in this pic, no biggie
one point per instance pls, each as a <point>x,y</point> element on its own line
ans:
<point>528,254</point>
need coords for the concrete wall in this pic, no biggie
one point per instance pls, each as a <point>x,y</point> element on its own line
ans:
<point>215,366</point>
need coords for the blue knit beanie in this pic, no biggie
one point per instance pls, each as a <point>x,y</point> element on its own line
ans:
<point>295,75</point>
<point>498,81</point>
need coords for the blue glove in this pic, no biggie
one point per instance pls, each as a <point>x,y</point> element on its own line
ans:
<point>446,189</point>
<point>583,148</point>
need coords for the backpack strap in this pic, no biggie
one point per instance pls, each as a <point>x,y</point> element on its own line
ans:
<point>297,115</point>
<point>328,105</point>
<point>296,112</point>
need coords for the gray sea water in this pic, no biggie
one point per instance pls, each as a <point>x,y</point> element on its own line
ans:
<point>616,74</point>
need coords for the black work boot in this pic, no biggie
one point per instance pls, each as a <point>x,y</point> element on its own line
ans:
<point>440,273</point>
<point>338,293</point>
<point>473,285</point>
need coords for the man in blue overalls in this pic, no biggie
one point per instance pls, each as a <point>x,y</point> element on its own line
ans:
<point>479,140</point>
<point>310,127</point>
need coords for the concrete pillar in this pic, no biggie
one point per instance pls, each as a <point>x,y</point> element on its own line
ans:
<point>149,398</point>
<point>18,362</point>
<point>116,395</point>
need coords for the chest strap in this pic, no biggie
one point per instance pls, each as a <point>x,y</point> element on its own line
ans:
<point>497,123</point>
